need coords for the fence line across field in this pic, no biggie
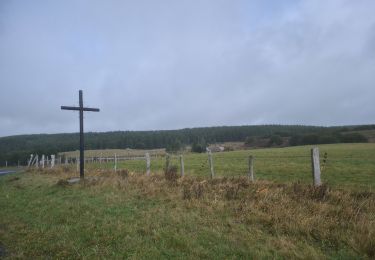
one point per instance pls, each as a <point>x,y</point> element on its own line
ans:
<point>213,164</point>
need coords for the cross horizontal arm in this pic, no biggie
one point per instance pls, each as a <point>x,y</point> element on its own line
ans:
<point>91,109</point>
<point>69,108</point>
<point>78,108</point>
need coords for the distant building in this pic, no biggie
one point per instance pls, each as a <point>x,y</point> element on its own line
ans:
<point>216,149</point>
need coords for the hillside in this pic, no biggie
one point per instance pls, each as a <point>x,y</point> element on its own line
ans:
<point>19,148</point>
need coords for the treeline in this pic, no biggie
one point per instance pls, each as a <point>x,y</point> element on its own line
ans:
<point>327,139</point>
<point>332,136</point>
<point>19,148</point>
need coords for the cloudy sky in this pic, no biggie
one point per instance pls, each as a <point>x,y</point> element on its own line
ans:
<point>176,64</point>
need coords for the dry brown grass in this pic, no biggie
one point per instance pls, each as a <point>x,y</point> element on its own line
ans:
<point>330,218</point>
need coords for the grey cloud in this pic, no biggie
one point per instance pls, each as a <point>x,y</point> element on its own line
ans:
<point>175,64</point>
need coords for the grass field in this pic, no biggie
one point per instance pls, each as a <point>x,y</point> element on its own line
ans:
<point>119,215</point>
<point>349,165</point>
<point>152,218</point>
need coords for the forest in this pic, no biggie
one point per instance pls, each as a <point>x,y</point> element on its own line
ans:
<point>19,147</point>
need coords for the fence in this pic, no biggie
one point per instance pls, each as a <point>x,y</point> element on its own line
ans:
<point>306,165</point>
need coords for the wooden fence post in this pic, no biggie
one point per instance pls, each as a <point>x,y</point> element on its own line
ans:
<point>211,163</point>
<point>251,168</point>
<point>167,161</point>
<point>37,161</point>
<point>42,160</point>
<point>31,162</point>
<point>115,163</point>
<point>148,164</point>
<point>52,160</point>
<point>31,159</point>
<point>77,162</point>
<point>315,166</point>
<point>182,166</point>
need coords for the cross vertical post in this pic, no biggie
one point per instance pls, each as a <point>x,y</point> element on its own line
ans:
<point>81,138</point>
<point>81,109</point>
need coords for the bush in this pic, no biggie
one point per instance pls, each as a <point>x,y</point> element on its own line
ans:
<point>171,174</point>
<point>198,148</point>
<point>249,140</point>
<point>275,139</point>
<point>174,146</point>
<point>228,148</point>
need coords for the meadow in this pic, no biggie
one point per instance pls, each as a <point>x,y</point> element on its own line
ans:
<point>130,215</point>
<point>347,165</point>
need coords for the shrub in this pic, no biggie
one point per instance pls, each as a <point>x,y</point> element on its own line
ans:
<point>171,173</point>
<point>198,148</point>
<point>249,140</point>
<point>228,148</point>
<point>174,146</point>
<point>275,139</point>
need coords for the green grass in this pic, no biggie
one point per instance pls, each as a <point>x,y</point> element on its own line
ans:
<point>349,165</point>
<point>150,218</point>
<point>147,217</point>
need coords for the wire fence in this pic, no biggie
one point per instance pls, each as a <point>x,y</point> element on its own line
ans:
<point>279,167</point>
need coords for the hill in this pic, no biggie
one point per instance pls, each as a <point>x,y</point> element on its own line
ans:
<point>19,148</point>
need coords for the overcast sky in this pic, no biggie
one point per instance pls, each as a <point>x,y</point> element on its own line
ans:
<point>177,64</point>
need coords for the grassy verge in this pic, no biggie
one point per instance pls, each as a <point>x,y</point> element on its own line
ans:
<point>135,216</point>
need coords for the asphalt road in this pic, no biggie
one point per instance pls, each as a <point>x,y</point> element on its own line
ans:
<point>4,172</point>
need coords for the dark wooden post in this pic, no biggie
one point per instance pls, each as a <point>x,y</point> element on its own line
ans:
<point>81,139</point>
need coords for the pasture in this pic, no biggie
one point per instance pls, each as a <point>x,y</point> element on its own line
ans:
<point>347,165</point>
<point>130,215</point>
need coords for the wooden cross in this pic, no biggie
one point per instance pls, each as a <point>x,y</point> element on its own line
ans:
<point>81,140</point>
